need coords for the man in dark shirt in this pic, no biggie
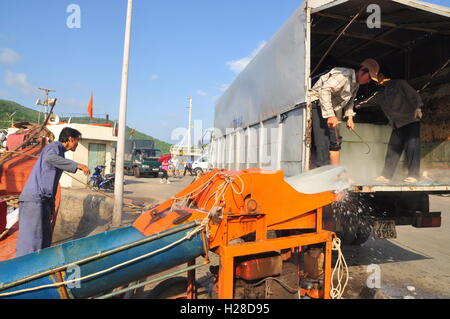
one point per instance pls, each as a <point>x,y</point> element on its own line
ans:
<point>402,105</point>
<point>37,200</point>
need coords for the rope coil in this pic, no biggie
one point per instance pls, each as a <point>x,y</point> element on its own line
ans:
<point>340,272</point>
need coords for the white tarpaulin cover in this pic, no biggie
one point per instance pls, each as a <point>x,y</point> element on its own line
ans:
<point>273,81</point>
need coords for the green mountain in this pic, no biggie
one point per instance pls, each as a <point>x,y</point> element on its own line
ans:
<point>23,114</point>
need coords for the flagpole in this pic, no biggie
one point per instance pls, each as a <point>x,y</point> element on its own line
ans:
<point>120,156</point>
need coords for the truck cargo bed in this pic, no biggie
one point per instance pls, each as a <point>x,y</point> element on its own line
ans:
<point>399,187</point>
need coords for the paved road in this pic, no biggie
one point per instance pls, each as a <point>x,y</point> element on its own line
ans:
<point>418,258</point>
<point>151,189</point>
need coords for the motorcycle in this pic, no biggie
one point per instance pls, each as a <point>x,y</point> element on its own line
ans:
<point>102,182</point>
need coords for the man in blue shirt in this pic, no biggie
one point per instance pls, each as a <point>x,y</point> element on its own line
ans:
<point>188,167</point>
<point>37,200</point>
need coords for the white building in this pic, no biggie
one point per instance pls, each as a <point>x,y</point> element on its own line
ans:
<point>95,148</point>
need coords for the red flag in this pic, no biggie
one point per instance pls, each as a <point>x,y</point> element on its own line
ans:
<point>90,107</point>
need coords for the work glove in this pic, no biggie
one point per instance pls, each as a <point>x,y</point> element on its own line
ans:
<point>419,114</point>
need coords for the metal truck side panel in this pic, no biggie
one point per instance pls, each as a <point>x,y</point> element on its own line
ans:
<point>267,86</point>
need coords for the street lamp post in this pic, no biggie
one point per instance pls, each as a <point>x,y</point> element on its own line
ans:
<point>189,146</point>
<point>120,156</point>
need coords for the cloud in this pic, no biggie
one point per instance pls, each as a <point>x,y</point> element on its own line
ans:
<point>19,82</point>
<point>154,76</point>
<point>224,87</point>
<point>72,103</point>
<point>201,93</point>
<point>9,56</point>
<point>238,65</point>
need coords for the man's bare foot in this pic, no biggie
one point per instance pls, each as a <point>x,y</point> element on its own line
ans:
<point>383,180</point>
<point>411,180</point>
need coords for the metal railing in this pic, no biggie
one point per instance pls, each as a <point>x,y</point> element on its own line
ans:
<point>83,118</point>
<point>186,151</point>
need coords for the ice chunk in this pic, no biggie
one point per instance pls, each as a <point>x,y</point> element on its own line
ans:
<point>12,218</point>
<point>411,289</point>
<point>323,179</point>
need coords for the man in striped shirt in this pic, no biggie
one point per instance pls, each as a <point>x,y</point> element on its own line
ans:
<point>333,99</point>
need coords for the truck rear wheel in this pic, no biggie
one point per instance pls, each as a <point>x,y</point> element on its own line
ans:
<point>363,234</point>
<point>355,230</point>
<point>353,221</point>
<point>198,171</point>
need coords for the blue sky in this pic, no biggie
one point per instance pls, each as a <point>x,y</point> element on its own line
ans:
<point>179,48</point>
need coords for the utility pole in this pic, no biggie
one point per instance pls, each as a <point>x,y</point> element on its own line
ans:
<point>190,125</point>
<point>46,102</point>
<point>120,156</point>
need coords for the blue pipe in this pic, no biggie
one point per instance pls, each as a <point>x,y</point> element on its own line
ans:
<point>71,252</point>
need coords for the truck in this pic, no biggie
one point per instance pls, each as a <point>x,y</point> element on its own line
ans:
<point>263,120</point>
<point>200,165</point>
<point>141,158</point>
